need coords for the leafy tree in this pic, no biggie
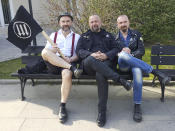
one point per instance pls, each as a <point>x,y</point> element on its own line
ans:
<point>155,19</point>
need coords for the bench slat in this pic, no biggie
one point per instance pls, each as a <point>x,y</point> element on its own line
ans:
<point>163,60</point>
<point>169,72</point>
<point>163,50</point>
<point>29,59</point>
<point>52,76</point>
<point>33,49</point>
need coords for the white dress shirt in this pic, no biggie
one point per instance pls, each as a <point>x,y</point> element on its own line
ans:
<point>64,43</point>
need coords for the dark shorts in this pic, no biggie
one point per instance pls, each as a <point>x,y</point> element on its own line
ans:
<point>55,69</point>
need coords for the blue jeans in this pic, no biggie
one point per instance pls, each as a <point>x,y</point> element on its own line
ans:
<point>128,62</point>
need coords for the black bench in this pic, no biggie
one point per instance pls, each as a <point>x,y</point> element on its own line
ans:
<point>163,55</point>
<point>32,55</point>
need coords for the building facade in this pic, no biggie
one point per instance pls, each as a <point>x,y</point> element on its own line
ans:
<point>8,10</point>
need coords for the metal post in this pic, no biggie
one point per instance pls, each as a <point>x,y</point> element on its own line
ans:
<point>31,12</point>
<point>1,16</point>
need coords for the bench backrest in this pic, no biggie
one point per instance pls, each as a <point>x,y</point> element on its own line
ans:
<point>163,55</point>
<point>33,54</point>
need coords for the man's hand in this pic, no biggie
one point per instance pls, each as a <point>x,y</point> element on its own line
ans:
<point>99,55</point>
<point>95,55</point>
<point>67,59</point>
<point>54,48</point>
<point>127,50</point>
<point>103,56</point>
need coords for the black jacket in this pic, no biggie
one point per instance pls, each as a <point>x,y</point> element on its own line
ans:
<point>136,44</point>
<point>86,42</point>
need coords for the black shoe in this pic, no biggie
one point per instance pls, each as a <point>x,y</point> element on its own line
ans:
<point>161,76</point>
<point>137,113</point>
<point>127,85</point>
<point>101,120</point>
<point>77,72</point>
<point>62,114</point>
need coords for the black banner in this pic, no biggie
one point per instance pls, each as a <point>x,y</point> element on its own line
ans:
<point>22,29</point>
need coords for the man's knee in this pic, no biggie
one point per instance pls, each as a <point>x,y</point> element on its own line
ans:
<point>45,53</point>
<point>124,56</point>
<point>100,77</point>
<point>89,60</point>
<point>66,74</point>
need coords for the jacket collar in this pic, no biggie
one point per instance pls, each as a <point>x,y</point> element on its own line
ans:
<point>131,32</point>
<point>102,31</point>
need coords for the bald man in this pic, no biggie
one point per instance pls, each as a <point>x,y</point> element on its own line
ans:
<point>129,59</point>
<point>97,49</point>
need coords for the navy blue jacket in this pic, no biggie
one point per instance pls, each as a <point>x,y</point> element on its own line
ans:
<point>108,44</point>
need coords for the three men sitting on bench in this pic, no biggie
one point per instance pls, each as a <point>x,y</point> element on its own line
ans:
<point>97,49</point>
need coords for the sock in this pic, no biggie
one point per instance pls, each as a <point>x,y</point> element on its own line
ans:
<point>63,104</point>
<point>137,104</point>
<point>72,68</point>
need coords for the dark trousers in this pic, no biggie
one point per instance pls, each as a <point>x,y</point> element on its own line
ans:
<point>103,72</point>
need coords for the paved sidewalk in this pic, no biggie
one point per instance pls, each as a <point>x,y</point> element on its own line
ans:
<point>40,110</point>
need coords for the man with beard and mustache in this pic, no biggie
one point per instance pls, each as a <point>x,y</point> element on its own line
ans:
<point>97,49</point>
<point>129,59</point>
<point>66,40</point>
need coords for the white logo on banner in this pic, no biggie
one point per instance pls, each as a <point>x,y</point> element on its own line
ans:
<point>22,29</point>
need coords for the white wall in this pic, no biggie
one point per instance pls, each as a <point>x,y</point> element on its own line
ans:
<point>39,11</point>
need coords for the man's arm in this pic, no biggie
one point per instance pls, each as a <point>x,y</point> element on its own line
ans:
<point>81,50</point>
<point>141,49</point>
<point>49,46</point>
<point>74,58</point>
<point>114,49</point>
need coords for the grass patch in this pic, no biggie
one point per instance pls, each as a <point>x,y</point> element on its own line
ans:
<point>8,67</point>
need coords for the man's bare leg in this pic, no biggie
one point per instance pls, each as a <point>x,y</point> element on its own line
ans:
<point>55,60</point>
<point>65,90</point>
<point>52,58</point>
<point>66,84</point>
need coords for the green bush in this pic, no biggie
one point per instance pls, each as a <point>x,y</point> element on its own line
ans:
<point>155,19</point>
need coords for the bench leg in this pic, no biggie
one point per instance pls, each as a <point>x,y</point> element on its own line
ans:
<point>162,91</point>
<point>153,82</point>
<point>23,82</point>
<point>33,82</point>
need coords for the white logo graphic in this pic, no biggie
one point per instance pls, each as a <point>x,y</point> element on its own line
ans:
<point>22,29</point>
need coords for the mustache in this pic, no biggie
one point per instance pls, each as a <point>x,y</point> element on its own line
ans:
<point>65,26</point>
<point>124,27</point>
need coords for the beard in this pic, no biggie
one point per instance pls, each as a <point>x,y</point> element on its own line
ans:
<point>95,28</point>
<point>124,29</point>
<point>65,28</point>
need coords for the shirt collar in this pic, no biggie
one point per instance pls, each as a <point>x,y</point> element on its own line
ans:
<point>127,40</point>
